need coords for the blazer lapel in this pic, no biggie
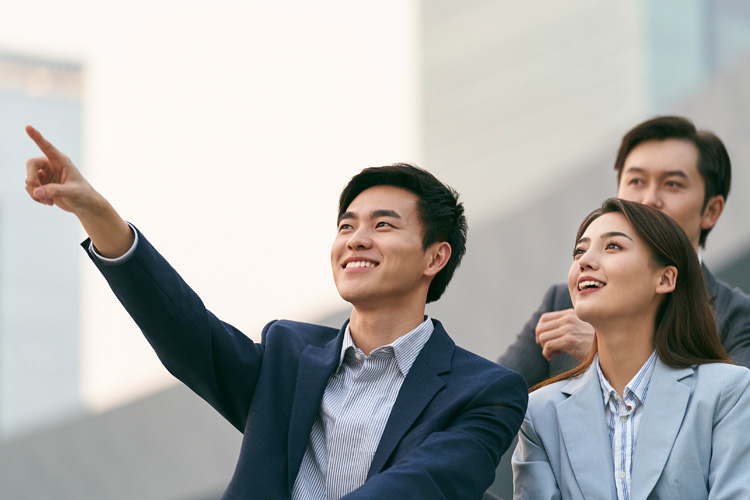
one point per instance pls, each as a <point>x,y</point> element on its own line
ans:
<point>419,387</point>
<point>586,437</point>
<point>663,411</point>
<point>316,365</point>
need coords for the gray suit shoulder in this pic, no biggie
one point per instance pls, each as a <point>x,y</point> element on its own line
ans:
<point>732,312</point>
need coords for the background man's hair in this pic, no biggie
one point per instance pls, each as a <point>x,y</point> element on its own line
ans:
<point>713,160</point>
<point>440,212</point>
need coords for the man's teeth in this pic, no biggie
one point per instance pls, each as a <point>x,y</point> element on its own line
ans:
<point>360,264</point>
<point>590,284</point>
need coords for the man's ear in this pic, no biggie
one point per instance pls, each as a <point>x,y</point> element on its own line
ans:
<point>438,255</point>
<point>668,280</point>
<point>712,212</point>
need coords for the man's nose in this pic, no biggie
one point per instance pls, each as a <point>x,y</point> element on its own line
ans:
<point>652,198</point>
<point>359,239</point>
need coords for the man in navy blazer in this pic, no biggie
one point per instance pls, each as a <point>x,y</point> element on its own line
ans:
<point>386,407</point>
<point>686,173</point>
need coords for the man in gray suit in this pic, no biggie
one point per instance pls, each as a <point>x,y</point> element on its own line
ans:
<point>686,173</point>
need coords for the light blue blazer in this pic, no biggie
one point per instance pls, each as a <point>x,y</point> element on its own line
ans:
<point>693,441</point>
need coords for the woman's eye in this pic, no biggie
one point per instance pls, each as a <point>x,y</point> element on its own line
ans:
<point>577,252</point>
<point>613,246</point>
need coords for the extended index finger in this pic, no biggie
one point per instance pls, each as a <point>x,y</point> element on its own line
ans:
<point>47,148</point>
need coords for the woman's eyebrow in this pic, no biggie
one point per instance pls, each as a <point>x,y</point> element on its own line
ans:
<point>615,233</point>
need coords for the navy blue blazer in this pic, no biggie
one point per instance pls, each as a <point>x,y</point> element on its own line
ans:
<point>454,417</point>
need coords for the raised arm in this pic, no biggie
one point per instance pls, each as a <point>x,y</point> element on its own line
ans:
<point>52,179</point>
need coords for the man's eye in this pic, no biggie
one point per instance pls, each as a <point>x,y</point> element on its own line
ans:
<point>383,224</point>
<point>344,227</point>
<point>635,182</point>
<point>673,184</point>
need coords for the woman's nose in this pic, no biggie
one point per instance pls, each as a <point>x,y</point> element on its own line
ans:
<point>587,260</point>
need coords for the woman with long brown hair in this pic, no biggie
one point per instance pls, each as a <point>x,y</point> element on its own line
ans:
<point>656,410</point>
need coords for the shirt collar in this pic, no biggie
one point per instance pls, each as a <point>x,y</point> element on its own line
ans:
<point>637,388</point>
<point>406,348</point>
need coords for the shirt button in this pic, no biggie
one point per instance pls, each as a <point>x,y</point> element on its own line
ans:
<point>622,474</point>
<point>623,418</point>
<point>359,357</point>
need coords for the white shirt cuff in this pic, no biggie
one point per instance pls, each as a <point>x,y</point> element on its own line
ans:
<point>120,259</point>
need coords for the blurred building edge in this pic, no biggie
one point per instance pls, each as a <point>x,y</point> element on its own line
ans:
<point>39,78</point>
<point>39,309</point>
<point>167,446</point>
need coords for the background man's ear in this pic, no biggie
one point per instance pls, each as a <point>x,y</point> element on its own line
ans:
<point>668,280</point>
<point>711,214</point>
<point>439,254</point>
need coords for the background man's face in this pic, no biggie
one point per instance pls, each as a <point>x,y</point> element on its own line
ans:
<point>664,175</point>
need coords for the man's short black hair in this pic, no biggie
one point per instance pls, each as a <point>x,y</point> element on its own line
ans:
<point>713,159</point>
<point>440,212</point>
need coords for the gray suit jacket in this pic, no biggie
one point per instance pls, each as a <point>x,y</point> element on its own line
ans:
<point>692,442</point>
<point>731,310</point>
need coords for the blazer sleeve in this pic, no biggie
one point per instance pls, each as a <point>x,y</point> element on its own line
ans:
<point>213,358</point>
<point>730,458</point>
<point>732,311</point>
<point>457,463</point>
<point>533,477</point>
<point>525,355</point>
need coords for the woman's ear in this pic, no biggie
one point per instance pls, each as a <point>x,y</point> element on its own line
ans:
<point>438,255</point>
<point>668,280</point>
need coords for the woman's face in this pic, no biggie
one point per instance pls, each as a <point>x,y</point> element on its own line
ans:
<point>613,275</point>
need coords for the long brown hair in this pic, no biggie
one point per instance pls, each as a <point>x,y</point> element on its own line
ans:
<point>685,332</point>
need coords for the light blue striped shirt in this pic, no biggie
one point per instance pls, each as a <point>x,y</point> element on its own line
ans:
<point>355,409</point>
<point>623,418</point>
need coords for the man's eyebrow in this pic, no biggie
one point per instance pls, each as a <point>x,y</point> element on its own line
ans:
<point>374,214</point>
<point>346,215</point>
<point>668,173</point>
<point>385,213</point>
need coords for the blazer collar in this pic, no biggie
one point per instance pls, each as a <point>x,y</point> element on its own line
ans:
<point>316,365</point>
<point>711,284</point>
<point>585,436</point>
<point>663,412</point>
<point>418,389</point>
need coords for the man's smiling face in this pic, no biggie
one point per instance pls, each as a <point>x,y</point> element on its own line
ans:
<point>377,257</point>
